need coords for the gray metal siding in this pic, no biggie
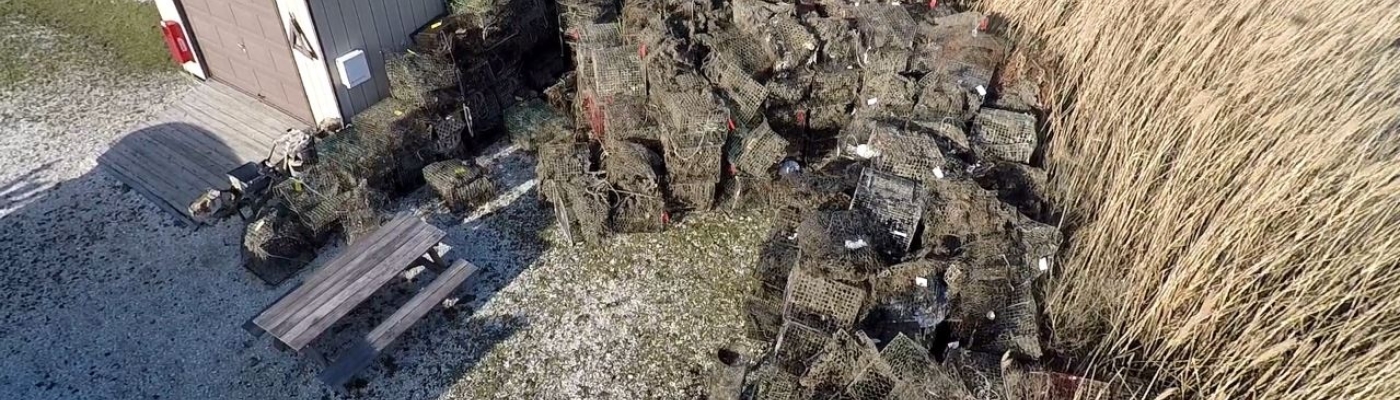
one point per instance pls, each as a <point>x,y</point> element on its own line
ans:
<point>380,28</point>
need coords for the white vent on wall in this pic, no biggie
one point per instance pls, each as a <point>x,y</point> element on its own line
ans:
<point>354,68</point>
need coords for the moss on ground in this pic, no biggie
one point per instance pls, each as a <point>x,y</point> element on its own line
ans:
<point>95,32</point>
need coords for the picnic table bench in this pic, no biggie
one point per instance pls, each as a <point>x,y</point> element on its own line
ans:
<point>330,293</point>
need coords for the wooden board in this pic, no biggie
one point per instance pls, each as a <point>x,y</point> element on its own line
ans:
<point>367,349</point>
<point>190,147</point>
<point>346,281</point>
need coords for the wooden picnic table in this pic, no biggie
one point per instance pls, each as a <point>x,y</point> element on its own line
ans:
<point>329,294</point>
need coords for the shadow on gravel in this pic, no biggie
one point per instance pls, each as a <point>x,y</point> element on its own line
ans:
<point>502,239</point>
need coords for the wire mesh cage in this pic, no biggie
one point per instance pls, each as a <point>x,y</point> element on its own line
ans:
<point>360,214</point>
<point>594,35</point>
<point>888,92</point>
<point>840,43</point>
<point>884,25</point>
<point>771,383</point>
<point>693,193</point>
<point>461,184</point>
<point>632,171</point>
<point>796,44</point>
<point>1004,135</point>
<point>776,260</point>
<point>743,91</point>
<point>797,346</point>
<point>321,219</point>
<point>874,382</point>
<point>562,160</point>
<point>695,115</point>
<point>274,246</point>
<point>761,150</point>
<point>414,77</point>
<point>533,122</point>
<point>616,71</point>
<point>627,118</point>
<point>839,364</point>
<point>941,98</point>
<point>908,360</point>
<point>302,194</point>
<point>447,133</point>
<point>909,155</point>
<point>788,88</point>
<point>1014,328</point>
<point>896,202</point>
<point>747,56</point>
<point>822,303</point>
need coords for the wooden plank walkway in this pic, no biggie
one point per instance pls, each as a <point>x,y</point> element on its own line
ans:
<point>192,146</point>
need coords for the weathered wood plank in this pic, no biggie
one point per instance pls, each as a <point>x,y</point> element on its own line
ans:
<point>248,146</point>
<point>366,350</point>
<point>173,188</point>
<point>240,144</point>
<point>270,116</point>
<point>342,266</point>
<point>202,144</point>
<point>356,293</point>
<point>160,203</point>
<point>212,165</point>
<point>239,115</point>
<point>161,157</point>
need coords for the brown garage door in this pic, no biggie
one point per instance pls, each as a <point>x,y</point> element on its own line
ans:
<point>244,45</point>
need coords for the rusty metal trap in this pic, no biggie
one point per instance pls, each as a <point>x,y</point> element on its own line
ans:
<point>822,303</point>
<point>1004,135</point>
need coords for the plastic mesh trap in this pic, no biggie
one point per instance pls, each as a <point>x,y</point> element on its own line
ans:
<point>1004,135</point>
<point>895,201</point>
<point>908,155</point>
<point>820,302</point>
<point>762,148</point>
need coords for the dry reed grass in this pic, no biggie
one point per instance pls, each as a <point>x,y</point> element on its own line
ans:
<point>1234,194</point>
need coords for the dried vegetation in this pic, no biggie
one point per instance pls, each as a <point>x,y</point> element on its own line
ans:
<point>1231,171</point>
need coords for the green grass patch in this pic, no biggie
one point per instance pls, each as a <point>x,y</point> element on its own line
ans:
<point>128,30</point>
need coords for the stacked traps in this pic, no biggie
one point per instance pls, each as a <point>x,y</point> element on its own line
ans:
<point>694,147</point>
<point>1004,135</point>
<point>274,246</point>
<point>738,86</point>
<point>819,302</point>
<point>896,202</point>
<point>579,13</point>
<point>911,293</point>
<point>580,199</point>
<point>415,78</point>
<point>533,122</point>
<point>632,170</point>
<point>447,133</point>
<point>361,216</point>
<point>461,184</point>
<point>842,244</point>
<point>303,195</point>
<point>760,150</point>
<point>830,96</point>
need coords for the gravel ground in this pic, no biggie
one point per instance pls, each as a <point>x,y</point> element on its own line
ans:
<point>104,296</point>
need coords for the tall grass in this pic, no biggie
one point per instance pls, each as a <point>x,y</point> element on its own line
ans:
<point>1232,174</point>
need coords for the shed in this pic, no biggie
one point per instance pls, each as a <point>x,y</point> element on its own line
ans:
<point>312,59</point>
